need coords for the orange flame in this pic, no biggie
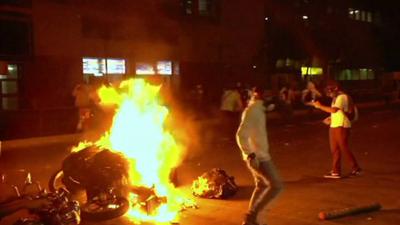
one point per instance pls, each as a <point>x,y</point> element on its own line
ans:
<point>139,132</point>
<point>201,186</point>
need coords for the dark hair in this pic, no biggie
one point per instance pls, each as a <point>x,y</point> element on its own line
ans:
<point>259,90</point>
<point>332,85</point>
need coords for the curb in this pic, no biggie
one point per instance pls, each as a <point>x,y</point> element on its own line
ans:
<point>38,141</point>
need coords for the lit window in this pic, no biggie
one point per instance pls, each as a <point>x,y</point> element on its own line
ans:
<point>311,71</point>
<point>351,13</point>
<point>363,16</point>
<point>363,74</point>
<point>188,7</point>
<point>371,74</point>
<point>357,14</point>
<point>345,75</point>
<point>115,66</point>
<point>289,62</point>
<point>369,17</point>
<point>356,74</point>
<point>9,87</point>
<point>10,71</point>
<point>164,67</point>
<point>305,17</point>
<point>95,66</point>
<point>360,15</point>
<point>145,69</point>
<point>203,7</point>
<point>101,66</point>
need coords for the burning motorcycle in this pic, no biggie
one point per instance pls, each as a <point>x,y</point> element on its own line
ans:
<point>102,175</point>
<point>59,210</point>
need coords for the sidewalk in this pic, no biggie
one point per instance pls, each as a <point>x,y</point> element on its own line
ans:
<point>76,137</point>
<point>301,154</point>
<point>363,105</point>
<point>38,141</point>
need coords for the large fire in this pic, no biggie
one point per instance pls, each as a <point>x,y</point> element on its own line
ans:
<point>139,132</point>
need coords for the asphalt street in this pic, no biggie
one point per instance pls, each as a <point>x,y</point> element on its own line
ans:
<point>300,151</point>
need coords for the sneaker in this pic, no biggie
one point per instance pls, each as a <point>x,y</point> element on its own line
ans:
<point>356,172</point>
<point>333,175</point>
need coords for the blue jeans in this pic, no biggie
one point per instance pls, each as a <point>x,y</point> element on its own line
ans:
<point>268,185</point>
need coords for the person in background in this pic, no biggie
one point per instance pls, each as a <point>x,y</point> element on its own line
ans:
<point>198,100</point>
<point>287,96</point>
<point>245,93</point>
<point>339,131</point>
<point>231,107</point>
<point>82,95</point>
<point>311,93</point>
<point>231,101</point>
<point>252,139</point>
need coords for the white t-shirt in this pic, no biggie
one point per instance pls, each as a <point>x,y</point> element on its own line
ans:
<point>339,119</point>
<point>252,135</point>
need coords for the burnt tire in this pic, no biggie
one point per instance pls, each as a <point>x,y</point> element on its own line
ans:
<point>102,213</point>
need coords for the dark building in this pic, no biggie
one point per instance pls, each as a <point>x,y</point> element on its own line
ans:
<point>53,42</point>
<point>350,41</point>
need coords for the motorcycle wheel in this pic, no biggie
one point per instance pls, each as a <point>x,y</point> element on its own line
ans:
<point>98,212</point>
<point>57,180</point>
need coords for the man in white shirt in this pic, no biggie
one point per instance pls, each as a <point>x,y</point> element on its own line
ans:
<point>252,139</point>
<point>339,130</point>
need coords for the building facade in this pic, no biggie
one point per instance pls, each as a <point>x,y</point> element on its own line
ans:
<point>59,43</point>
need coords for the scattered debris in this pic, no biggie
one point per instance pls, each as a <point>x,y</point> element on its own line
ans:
<point>214,184</point>
<point>348,211</point>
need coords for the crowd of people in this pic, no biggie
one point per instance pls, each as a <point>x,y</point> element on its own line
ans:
<point>290,96</point>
